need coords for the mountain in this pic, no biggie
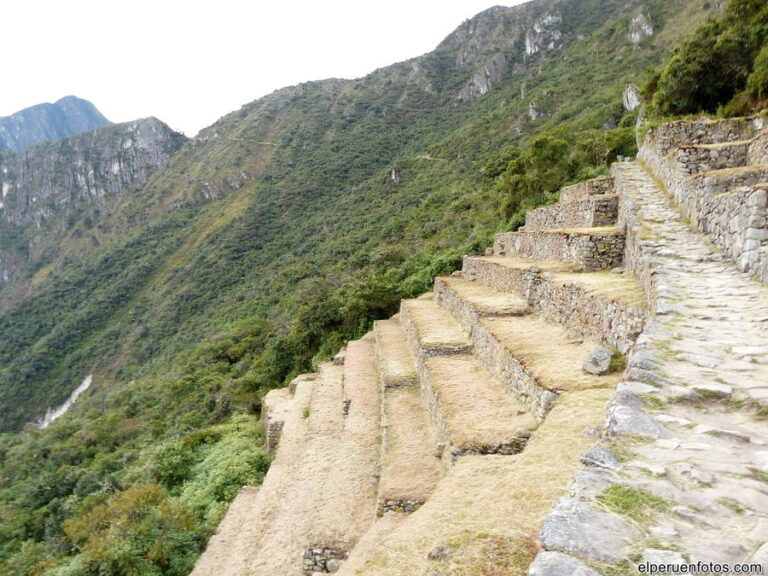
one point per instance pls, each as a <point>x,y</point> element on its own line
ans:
<point>245,255</point>
<point>65,117</point>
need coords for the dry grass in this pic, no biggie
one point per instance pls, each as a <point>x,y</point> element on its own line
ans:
<point>393,355</point>
<point>476,409</point>
<point>436,327</point>
<point>277,403</point>
<point>372,541</point>
<point>232,550</point>
<point>598,231</point>
<point>548,353</point>
<point>485,300</point>
<point>728,173</point>
<point>410,470</point>
<point>516,263</point>
<point>492,503</point>
<point>622,288</point>
<point>724,145</point>
<point>471,554</point>
<point>321,485</point>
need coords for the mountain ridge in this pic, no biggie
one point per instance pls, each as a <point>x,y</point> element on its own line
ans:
<point>67,116</point>
<point>279,233</point>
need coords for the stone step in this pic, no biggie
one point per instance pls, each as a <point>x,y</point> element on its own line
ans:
<point>695,159</point>
<point>470,410</point>
<point>326,410</point>
<point>721,181</point>
<point>345,500</point>
<point>591,212</point>
<point>586,189</point>
<point>600,306</point>
<point>330,499</point>
<point>431,330</point>
<point>535,360</point>
<point>393,355</point>
<point>592,248</point>
<point>410,467</point>
<point>467,301</point>
<point>667,137</point>
<point>277,406</point>
<point>490,508</point>
<point>252,523</point>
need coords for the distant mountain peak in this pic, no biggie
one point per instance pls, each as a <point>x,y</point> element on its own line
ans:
<point>67,116</point>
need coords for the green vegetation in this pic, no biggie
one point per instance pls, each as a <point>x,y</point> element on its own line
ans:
<point>243,264</point>
<point>722,66</point>
<point>639,505</point>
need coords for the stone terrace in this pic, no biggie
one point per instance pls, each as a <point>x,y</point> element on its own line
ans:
<point>467,425</point>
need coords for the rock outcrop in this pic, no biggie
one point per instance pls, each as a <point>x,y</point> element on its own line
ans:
<point>39,182</point>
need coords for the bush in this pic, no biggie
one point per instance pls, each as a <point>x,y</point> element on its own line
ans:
<point>757,83</point>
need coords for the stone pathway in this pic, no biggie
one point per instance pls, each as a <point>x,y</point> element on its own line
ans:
<point>700,370</point>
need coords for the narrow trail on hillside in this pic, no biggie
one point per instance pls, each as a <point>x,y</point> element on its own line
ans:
<point>703,358</point>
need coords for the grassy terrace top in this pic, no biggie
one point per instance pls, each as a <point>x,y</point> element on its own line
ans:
<point>548,352</point>
<point>621,288</point>
<point>486,300</point>
<point>488,510</point>
<point>597,231</point>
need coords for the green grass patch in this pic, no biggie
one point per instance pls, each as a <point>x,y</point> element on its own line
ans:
<point>639,505</point>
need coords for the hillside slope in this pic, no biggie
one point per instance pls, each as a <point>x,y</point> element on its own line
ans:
<point>278,233</point>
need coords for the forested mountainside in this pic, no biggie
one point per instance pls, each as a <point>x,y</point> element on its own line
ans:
<point>279,232</point>
<point>65,117</point>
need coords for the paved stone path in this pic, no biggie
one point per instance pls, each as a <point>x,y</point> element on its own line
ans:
<point>702,368</point>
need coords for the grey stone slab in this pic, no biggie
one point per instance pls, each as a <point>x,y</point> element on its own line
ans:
<point>629,421</point>
<point>577,528</point>
<point>558,564</point>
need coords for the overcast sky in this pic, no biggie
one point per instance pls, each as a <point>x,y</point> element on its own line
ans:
<point>189,63</point>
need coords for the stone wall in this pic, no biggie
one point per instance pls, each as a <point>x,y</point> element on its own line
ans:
<point>323,560</point>
<point>698,159</point>
<point>591,251</point>
<point>717,190</point>
<point>500,362</point>
<point>272,418</point>
<point>397,506</point>
<point>636,258</point>
<point>583,190</point>
<point>667,137</point>
<point>758,149</point>
<point>566,303</point>
<point>594,211</point>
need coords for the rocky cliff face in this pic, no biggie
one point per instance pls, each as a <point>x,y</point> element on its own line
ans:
<point>37,183</point>
<point>65,117</point>
<point>46,188</point>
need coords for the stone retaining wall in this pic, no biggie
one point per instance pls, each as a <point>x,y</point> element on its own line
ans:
<point>500,362</point>
<point>569,304</point>
<point>324,560</point>
<point>592,251</point>
<point>595,211</point>
<point>698,159</point>
<point>583,190</point>
<point>418,348</point>
<point>667,137</point>
<point>398,506</point>
<point>728,204</point>
<point>636,258</point>
<point>758,149</point>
